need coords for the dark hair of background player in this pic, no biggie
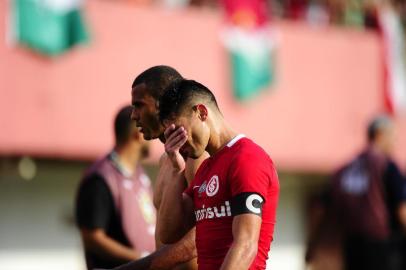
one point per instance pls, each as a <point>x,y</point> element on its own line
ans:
<point>156,79</point>
<point>123,126</point>
<point>376,126</point>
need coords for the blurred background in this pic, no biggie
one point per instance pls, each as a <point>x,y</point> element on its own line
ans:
<point>300,77</point>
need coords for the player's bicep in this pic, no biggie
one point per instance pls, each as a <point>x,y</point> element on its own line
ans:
<point>246,228</point>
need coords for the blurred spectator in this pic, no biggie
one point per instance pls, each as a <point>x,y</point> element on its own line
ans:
<point>114,208</point>
<point>295,9</point>
<point>371,15</point>
<point>138,2</point>
<point>175,3</point>
<point>318,13</point>
<point>185,3</point>
<point>351,13</point>
<point>204,3</point>
<point>367,199</point>
<point>354,13</point>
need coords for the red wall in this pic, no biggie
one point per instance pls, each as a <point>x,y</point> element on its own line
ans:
<point>313,118</point>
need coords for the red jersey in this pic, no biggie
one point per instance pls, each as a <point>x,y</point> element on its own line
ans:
<point>240,167</point>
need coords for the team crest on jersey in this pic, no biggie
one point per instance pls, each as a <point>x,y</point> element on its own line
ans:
<point>213,186</point>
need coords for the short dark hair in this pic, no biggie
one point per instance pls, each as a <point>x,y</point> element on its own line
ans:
<point>180,93</point>
<point>157,79</point>
<point>377,125</point>
<point>123,125</point>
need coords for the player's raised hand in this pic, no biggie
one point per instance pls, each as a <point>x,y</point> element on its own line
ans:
<point>175,137</point>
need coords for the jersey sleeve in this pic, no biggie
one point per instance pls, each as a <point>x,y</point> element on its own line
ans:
<point>251,172</point>
<point>94,203</point>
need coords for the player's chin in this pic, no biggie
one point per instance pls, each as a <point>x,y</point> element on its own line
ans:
<point>148,136</point>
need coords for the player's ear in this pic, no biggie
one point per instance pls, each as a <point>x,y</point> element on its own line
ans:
<point>202,111</point>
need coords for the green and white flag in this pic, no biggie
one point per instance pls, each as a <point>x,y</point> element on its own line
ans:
<point>251,60</point>
<point>49,27</point>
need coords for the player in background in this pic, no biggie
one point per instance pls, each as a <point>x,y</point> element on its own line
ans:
<point>366,200</point>
<point>114,210</point>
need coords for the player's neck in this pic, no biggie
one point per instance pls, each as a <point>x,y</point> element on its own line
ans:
<point>128,157</point>
<point>379,149</point>
<point>220,136</point>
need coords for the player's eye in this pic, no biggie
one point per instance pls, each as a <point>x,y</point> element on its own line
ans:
<point>137,105</point>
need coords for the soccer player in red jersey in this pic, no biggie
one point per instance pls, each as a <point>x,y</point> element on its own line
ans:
<point>234,195</point>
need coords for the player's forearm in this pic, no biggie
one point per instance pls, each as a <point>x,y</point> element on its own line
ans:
<point>167,256</point>
<point>141,264</point>
<point>158,242</point>
<point>172,255</point>
<point>240,256</point>
<point>171,213</point>
<point>101,244</point>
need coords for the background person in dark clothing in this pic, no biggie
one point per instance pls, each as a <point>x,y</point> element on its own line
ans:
<point>367,196</point>
<point>114,209</point>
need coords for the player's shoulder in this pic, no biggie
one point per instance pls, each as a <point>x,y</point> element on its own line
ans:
<point>92,185</point>
<point>97,166</point>
<point>247,153</point>
<point>247,146</point>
